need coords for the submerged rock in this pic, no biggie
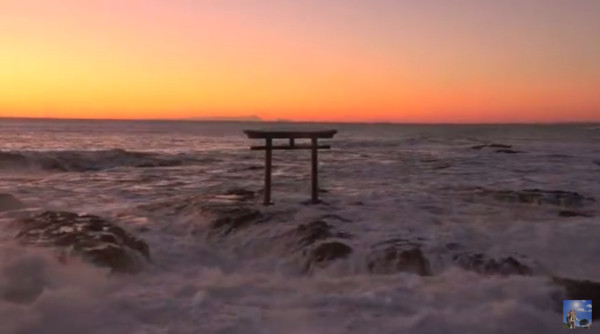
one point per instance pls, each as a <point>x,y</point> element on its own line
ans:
<point>566,199</point>
<point>91,237</point>
<point>569,214</point>
<point>325,253</point>
<point>509,151</point>
<point>403,258</point>
<point>481,264</point>
<point>9,202</point>
<point>308,234</point>
<point>228,219</point>
<point>578,290</point>
<point>479,147</point>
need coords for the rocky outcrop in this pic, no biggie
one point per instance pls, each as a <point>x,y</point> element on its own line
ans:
<point>228,219</point>
<point>570,214</point>
<point>324,253</point>
<point>500,146</point>
<point>91,237</point>
<point>9,202</point>
<point>398,256</point>
<point>578,290</point>
<point>506,151</point>
<point>567,199</point>
<point>482,264</point>
<point>308,234</point>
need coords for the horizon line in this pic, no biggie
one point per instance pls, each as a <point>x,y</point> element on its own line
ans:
<point>257,119</point>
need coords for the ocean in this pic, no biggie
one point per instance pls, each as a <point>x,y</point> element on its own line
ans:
<point>422,229</point>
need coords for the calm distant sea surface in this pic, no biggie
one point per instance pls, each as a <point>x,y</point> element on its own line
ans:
<point>424,184</point>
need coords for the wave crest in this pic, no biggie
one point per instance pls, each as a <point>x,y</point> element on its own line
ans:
<point>83,161</point>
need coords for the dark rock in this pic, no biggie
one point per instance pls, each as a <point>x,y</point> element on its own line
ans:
<point>479,147</point>
<point>566,199</point>
<point>327,252</point>
<point>9,202</point>
<point>323,191</point>
<point>569,213</point>
<point>509,151</point>
<point>308,234</point>
<point>398,255</point>
<point>479,263</point>
<point>597,162</point>
<point>92,237</point>
<point>164,163</point>
<point>228,219</point>
<point>393,260</point>
<point>578,290</point>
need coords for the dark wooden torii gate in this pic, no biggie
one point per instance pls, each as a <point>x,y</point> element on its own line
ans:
<point>314,146</point>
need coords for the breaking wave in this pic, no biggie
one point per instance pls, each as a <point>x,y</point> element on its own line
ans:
<point>83,161</point>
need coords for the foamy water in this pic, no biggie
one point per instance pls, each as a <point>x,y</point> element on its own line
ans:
<point>383,182</point>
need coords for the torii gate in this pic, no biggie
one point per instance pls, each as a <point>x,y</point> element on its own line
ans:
<point>314,136</point>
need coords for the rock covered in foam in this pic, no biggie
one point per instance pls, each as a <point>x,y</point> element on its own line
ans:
<point>398,255</point>
<point>91,237</point>
<point>570,214</point>
<point>9,202</point>
<point>507,151</point>
<point>483,264</point>
<point>228,218</point>
<point>482,146</point>
<point>310,233</point>
<point>325,252</point>
<point>568,199</point>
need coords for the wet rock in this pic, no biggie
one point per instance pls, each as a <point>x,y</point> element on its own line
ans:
<point>9,202</point>
<point>569,214</point>
<point>398,256</point>
<point>501,146</point>
<point>91,237</point>
<point>509,151</point>
<point>566,199</point>
<point>327,252</point>
<point>228,219</point>
<point>308,234</point>
<point>394,260</point>
<point>479,263</point>
<point>578,290</point>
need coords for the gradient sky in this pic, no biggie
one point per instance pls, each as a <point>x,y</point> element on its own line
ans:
<point>342,60</point>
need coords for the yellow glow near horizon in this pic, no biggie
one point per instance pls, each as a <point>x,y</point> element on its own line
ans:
<point>342,61</point>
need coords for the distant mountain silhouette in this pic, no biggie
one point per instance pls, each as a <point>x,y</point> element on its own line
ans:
<point>250,118</point>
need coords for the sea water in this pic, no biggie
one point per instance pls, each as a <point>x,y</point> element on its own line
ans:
<point>379,181</point>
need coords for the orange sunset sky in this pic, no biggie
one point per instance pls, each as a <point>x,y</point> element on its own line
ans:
<point>335,60</point>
